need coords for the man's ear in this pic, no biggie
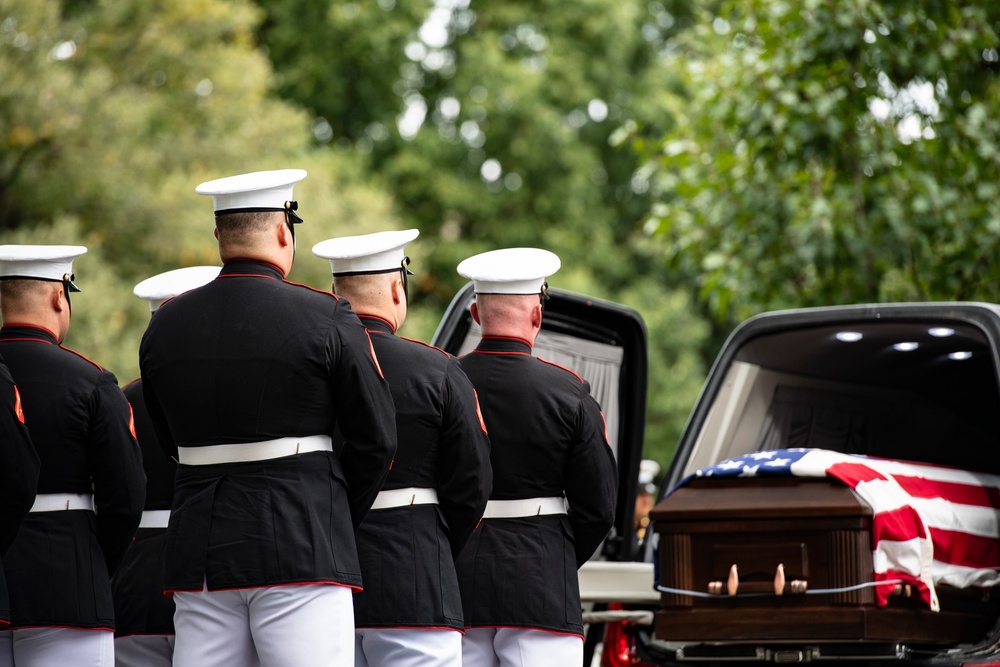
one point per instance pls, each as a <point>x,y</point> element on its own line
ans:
<point>398,293</point>
<point>475,313</point>
<point>285,235</point>
<point>216,233</point>
<point>56,299</point>
<point>536,316</point>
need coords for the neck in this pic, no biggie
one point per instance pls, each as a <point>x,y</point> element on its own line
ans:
<point>47,321</point>
<point>267,255</point>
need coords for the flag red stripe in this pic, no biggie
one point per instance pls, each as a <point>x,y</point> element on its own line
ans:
<point>899,525</point>
<point>853,474</point>
<point>957,548</point>
<point>955,492</point>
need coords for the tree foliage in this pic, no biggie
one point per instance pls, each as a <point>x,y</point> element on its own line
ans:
<point>490,123</point>
<point>112,112</point>
<point>830,152</point>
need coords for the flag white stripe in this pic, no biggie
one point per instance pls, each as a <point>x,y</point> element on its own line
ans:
<point>964,577</point>
<point>971,519</point>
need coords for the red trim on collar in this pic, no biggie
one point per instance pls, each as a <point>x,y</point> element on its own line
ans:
<point>246,275</point>
<point>516,354</point>
<point>30,326</point>
<point>255,261</point>
<point>380,319</point>
<point>520,340</point>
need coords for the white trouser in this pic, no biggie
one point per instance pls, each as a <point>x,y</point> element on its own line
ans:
<point>515,647</point>
<point>57,647</point>
<point>273,626</point>
<point>144,651</point>
<point>407,647</point>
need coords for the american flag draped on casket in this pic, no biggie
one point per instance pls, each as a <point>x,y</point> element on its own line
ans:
<point>931,525</point>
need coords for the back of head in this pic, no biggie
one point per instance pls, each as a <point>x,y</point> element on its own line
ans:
<point>245,234</point>
<point>20,298</point>
<point>506,314</point>
<point>247,206</point>
<point>365,289</point>
<point>371,271</point>
<point>510,286</point>
<point>35,284</point>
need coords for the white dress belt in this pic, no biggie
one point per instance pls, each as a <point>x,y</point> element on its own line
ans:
<point>253,451</point>
<point>154,519</point>
<point>58,502</point>
<point>412,495</point>
<point>514,509</point>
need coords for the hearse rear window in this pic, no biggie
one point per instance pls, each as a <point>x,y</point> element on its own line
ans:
<point>919,391</point>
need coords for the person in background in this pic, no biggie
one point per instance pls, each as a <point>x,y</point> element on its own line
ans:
<point>645,499</point>
<point>18,480</point>
<point>144,630</point>
<point>246,380</point>
<point>90,483</point>
<point>554,476</point>
<point>410,611</point>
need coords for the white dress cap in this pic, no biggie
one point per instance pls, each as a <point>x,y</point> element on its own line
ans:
<point>259,189</point>
<point>510,270</point>
<point>163,286</point>
<point>380,252</point>
<point>40,262</point>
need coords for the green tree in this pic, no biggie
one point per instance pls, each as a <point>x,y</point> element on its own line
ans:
<point>830,152</point>
<point>112,111</point>
<point>490,124</point>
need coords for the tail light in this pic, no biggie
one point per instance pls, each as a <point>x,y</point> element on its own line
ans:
<point>620,643</point>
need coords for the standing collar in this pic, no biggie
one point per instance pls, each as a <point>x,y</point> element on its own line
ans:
<point>27,332</point>
<point>503,345</point>
<point>376,323</point>
<point>251,267</point>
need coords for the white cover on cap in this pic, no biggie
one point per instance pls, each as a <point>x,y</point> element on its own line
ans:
<point>43,262</point>
<point>510,270</point>
<point>367,253</point>
<point>157,289</point>
<point>259,189</point>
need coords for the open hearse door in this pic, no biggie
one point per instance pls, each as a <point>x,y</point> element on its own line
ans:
<point>605,344</point>
<point>836,493</point>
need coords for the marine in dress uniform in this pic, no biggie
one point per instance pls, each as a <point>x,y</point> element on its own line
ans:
<point>90,484</point>
<point>246,381</point>
<point>554,477</point>
<point>144,616</point>
<point>18,478</point>
<point>410,611</point>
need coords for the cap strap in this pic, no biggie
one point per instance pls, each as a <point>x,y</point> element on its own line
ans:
<point>341,274</point>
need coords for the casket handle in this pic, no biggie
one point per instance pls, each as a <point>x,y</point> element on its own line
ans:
<point>733,585</point>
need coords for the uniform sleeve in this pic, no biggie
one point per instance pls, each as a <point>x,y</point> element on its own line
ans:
<point>158,420</point>
<point>19,467</point>
<point>591,480</point>
<point>115,462</point>
<point>366,414</point>
<point>465,477</point>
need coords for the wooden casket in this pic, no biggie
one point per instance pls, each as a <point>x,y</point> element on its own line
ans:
<point>819,533</point>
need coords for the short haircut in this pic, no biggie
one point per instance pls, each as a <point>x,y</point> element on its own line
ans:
<point>17,288</point>
<point>368,288</point>
<point>503,308</point>
<point>243,227</point>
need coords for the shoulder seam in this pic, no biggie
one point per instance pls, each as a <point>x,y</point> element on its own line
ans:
<point>93,363</point>
<point>420,342</point>
<point>312,289</point>
<point>552,363</point>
